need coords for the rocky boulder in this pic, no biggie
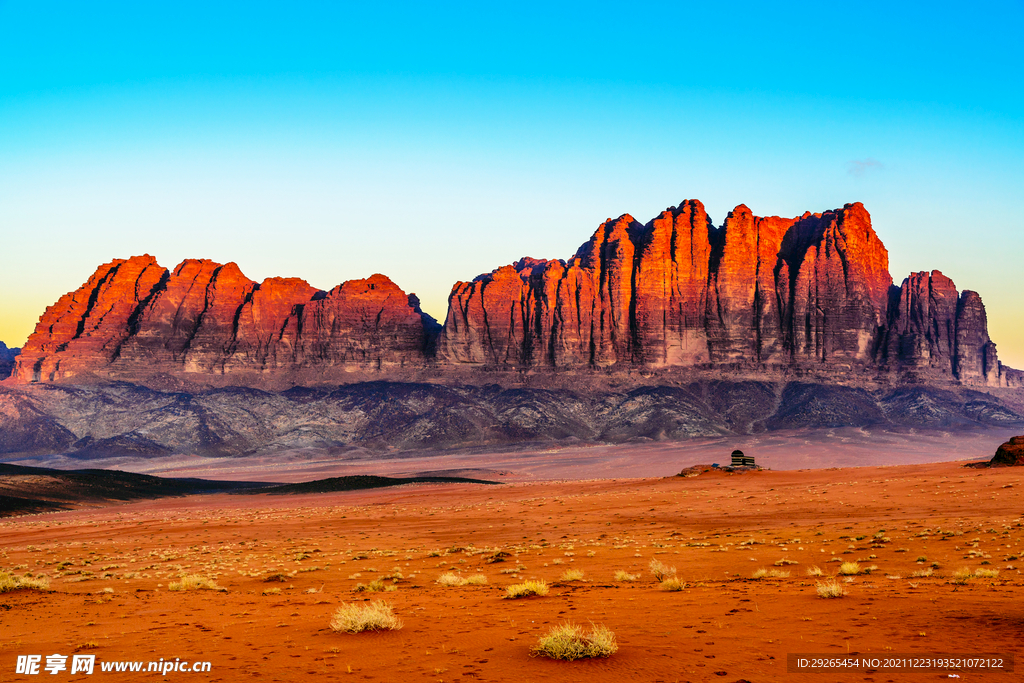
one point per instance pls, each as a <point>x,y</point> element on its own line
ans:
<point>1010,454</point>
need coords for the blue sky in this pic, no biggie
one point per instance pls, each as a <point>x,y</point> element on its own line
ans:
<point>433,142</point>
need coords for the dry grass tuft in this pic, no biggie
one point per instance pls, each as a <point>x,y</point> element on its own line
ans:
<point>622,575</point>
<point>660,570</point>
<point>372,616</point>
<point>830,588</point>
<point>769,573</point>
<point>375,586</point>
<point>986,573</point>
<point>451,580</point>
<point>194,582</point>
<point>849,568</point>
<point>960,576</point>
<point>672,583</point>
<point>526,589</point>
<point>569,641</point>
<point>814,571</point>
<point>571,575</point>
<point>921,573</point>
<point>11,582</point>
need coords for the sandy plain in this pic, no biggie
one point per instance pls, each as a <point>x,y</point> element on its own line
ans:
<point>109,570</point>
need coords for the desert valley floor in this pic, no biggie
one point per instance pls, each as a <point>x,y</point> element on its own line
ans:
<point>288,562</point>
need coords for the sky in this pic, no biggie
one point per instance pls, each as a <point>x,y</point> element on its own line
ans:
<point>433,142</point>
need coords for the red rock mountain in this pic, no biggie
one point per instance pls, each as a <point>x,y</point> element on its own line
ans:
<point>763,294</point>
<point>135,318</point>
<point>806,292</point>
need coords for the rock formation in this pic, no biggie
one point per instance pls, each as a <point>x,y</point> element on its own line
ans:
<point>1010,453</point>
<point>134,318</point>
<point>7,357</point>
<point>810,294</point>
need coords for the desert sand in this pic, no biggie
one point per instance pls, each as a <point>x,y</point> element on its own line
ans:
<point>109,571</point>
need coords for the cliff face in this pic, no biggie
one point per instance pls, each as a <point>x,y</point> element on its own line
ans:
<point>809,292</point>
<point>762,294</point>
<point>135,318</point>
<point>931,326</point>
<point>7,357</point>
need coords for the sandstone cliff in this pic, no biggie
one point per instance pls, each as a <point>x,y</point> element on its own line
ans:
<point>812,292</point>
<point>134,318</point>
<point>785,296</point>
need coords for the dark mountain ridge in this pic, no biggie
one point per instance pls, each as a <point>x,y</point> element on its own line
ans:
<point>370,419</point>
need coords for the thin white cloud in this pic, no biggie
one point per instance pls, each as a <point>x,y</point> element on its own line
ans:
<point>858,167</point>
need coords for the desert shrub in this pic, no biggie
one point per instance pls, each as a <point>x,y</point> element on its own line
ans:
<point>372,616</point>
<point>270,578</point>
<point>622,575</point>
<point>921,558</point>
<point>814,571</point>
<point>395,575</point>
<point>849,568</point>
<point>11,582</point>
<point>572,575</point>
<point>194,582</point>
<point>961,575</point>
<point>769,573</point>
<point>830,588</point>
<point>660,570</point>
<point>450,580</point>
<point>526,589</point>
<point>569,641</point>
<point>672,583</point>
<point>375,586</point>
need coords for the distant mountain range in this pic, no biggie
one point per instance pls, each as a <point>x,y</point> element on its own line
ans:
<point>665,330</point>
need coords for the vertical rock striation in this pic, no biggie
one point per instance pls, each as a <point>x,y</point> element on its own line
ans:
<point>134,318</point>
<point>808,292</point>
<point>762,294</point>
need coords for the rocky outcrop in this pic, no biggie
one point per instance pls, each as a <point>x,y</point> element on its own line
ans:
<point>7,357</point>
<point>1010,454</point>
<point>134,318</point>
<point>812,292</point>
<point>935,328</point>
<point>810,295</point>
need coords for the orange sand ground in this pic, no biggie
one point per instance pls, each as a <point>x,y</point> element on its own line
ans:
<point>109,569</point>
